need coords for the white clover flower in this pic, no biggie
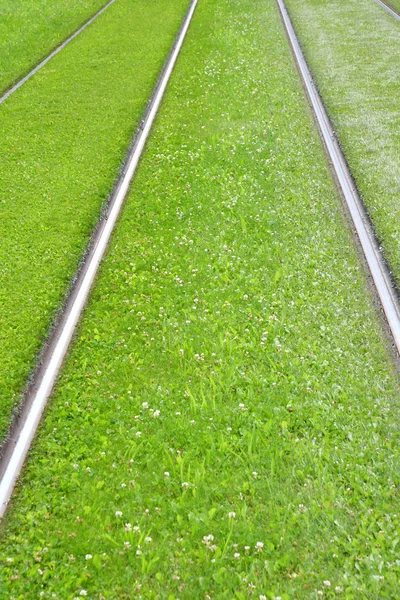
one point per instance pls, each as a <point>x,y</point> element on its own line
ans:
<point>207,539</point>
<point>145,405</point>
<point>327,583</point>
<point>259,546</point>
<point>148,539</point>
<point>138,434</point>
<point>123,485</point>
<point>338,589</point>
<point>262,597</point>
<point>83,593</point>
<point>156,414</point>
<point>9,560</point>
<point>166,474</point>
<point>76,466</point>
<point>136,529</point>
<point>128,527</point>
<point>127,545</point>
<point>88,556</point>
<point>118,513</point>
<point>185,485</point>
<point>255,474</point>
<point>138,552</point>
<point>236,555</point>
<point>247,549</point>
<point>231,515</point>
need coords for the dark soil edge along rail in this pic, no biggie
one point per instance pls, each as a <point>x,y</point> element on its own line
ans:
<point>389,9</point>
<point>384,284</point>
<point>23,428</point>
<point>52,54</point>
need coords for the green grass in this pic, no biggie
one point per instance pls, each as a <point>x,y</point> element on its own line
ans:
<point>395,4</point>
<point>230,361</point>
<point>63,138</point>
<point>29,30</point>
<point>353,49</point>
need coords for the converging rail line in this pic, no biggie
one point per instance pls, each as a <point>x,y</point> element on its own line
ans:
<point>44,62</point>
<point>388,9</point>
<point>17,446</point>
<point>378,268</point>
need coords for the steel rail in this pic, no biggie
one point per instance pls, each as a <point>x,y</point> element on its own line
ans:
<point>388,9</point>
<point>377,266</point>
<point>18,448</point>
<point>44,62</point>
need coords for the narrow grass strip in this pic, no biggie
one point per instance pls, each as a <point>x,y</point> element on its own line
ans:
<point>29,31</point>
<point>228,423</point>
<point>63,139</point>
<point>354,53</point>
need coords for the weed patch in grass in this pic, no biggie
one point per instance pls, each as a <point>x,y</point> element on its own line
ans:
<point>227,424</point>
<point>63,139</point>
<point>29,31</point>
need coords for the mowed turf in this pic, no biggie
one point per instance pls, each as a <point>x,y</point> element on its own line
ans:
<point>63,138</point>
<point>30,30</point>
<point>227,424</point>
<point>353,48</point>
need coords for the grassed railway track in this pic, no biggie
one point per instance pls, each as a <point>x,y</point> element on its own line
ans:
<point>227,421</point>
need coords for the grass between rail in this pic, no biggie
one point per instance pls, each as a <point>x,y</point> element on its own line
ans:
<point>394,4</point>
<point>63,138</point>
<point>353,50</point>
<point>227,424</point>
<point>29,31</point>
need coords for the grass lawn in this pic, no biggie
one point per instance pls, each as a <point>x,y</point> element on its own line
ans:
<point>63,137</point>
<point>30,30</point>
<point>227,424</point>
<point>353,49</point>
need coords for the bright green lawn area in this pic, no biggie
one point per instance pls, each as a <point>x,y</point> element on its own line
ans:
<point>29,30</point>
<point>63,137</point>
<point>353,48</point>
<point>227,424</point>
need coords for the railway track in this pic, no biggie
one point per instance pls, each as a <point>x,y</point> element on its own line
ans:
<point>52,54</point>
<point>18,443</point>
<point>377,265</point>
<point>388,9</point>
